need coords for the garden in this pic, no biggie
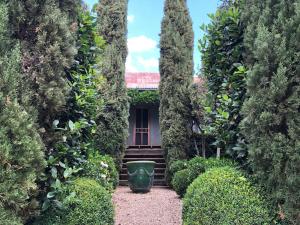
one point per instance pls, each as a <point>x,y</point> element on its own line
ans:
<point>231,143</point>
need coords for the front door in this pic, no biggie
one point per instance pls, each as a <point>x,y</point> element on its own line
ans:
<point>142,136</point>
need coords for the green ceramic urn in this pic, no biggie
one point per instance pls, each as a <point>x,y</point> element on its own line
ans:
<point>140,175</point>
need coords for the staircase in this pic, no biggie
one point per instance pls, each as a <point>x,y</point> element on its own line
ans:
<point>138,153</point>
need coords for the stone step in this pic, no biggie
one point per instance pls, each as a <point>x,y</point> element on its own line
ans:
<point>156,170</point>
<point>156,176</point>
<point>157,160</point>
<point>156,182</point>
<point>144,146</point>
<point>144,154</point>
<point>144,151</point>
<point>157,165</point>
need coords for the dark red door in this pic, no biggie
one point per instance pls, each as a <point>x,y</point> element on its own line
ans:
<point>142,136</point>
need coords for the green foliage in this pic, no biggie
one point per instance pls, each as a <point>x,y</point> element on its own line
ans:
<point>102,169</point>
<point>178,165</point>
<point>181,181</point>
<point>48,48</point>
<point>112,122</point>
<point>210,163</point>
<point>223,196</point>
<point>21,148</point>
<point>91,205</point>
<point>143,97</point>
<point>188,171</point>
<point>176,70</point>
<point>223,68</point>
<point>88,203</point>
<point>272,119</point>
<point>112,25</point>
<point>76,127</point>
<point>8,218</point>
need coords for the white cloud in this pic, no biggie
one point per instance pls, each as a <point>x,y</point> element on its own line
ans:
<point>141,44</point>
<point>130,18</point>
<point>130,67</point>
<point>150,64</point>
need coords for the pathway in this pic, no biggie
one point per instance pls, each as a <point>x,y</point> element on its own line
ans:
<point>161,206</point>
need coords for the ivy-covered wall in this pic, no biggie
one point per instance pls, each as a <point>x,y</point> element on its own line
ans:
<point>138,97</point>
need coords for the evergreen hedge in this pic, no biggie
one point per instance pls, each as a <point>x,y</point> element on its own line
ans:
<point>112,122</point>
<point>176,71</point>
<point>86,203</point>
<point>223,196</point>
<point>21,148</point>
<point>272,119</point>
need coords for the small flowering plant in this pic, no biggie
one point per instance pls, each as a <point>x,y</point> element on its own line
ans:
<point>102,169</point>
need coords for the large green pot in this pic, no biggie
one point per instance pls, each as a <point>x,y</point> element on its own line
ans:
<point>140,175</point>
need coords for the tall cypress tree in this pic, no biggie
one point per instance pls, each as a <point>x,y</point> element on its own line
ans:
<point>272,112</point>
<point>21,148</point>
<point>176,70</point>
<point>112,123</point>
<point>48,48</point>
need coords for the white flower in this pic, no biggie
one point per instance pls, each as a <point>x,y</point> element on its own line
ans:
<point>103,176</point>
<point>104,165</point>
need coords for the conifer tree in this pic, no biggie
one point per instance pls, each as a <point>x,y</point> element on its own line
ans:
<point>176,70</point>
<point>272,118</point>
<point>48,48</point>
<point>21,148</point>
<point>112,123</point>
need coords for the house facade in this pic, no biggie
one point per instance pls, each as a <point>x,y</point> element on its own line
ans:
<point>144,117</point>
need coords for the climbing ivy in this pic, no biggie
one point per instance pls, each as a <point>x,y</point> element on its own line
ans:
<point>143,97</point>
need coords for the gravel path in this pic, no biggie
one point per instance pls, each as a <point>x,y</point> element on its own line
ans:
<point>161,206</point>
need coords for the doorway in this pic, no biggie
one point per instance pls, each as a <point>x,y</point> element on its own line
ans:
<point>142,131</point>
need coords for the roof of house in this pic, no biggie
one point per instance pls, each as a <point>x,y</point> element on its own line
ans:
<point>146,80</point>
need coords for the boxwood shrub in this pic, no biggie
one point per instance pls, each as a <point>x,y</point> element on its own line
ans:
<point>223,196</point>
<point>181,181</point>
<point>87,203</point>
<point>196,166</point>
<point>8,218</point>
<point>175,167</point>
<point>102,169</point>
<point>91,205</point>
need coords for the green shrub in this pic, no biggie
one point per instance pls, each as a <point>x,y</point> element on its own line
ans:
<point>87,203</point>
<point>177,166</point>
<point>214,163</point>
<point>181,181</point>
<point>183,178</point>
<point>223,196</point>
<point>192,169</point>
<point>92,204</point>
<point>8,218</point>
<point>102,169</point>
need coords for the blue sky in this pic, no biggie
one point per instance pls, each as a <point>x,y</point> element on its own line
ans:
<point>144,20</point>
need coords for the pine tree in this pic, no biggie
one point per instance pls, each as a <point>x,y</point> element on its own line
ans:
<point>272,111</point>
<point>176,70</point>
<point>48,48</point>
<point>113,121</point>
<point>21,148</point>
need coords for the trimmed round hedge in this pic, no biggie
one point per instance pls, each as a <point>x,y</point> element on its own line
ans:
<point>223,196</point>
<point>92,204</point>
<point>181,181</point>
<point>88,203</point>
<point>193,168</point>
